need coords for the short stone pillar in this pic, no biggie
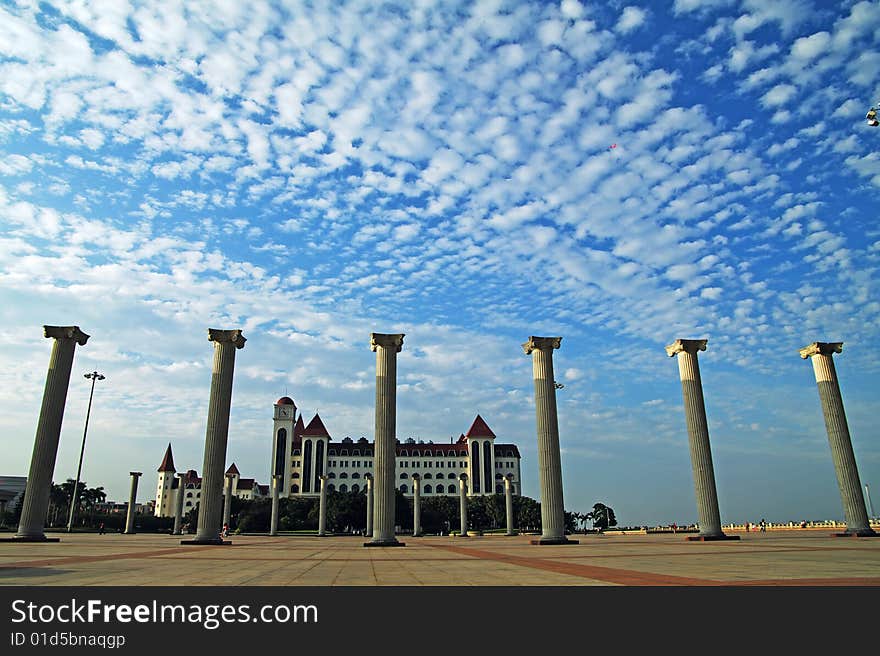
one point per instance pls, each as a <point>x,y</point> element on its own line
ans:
<point>857,523</point>
<point>227,502</point>
<point>549,459</point>
<point>132,501</point>
<point>508,504</point>
<point>386,347</point>
<point>35,504</point>
<point>210,507</point>
<point>698,438</point>
<point>369,480</point>
<point>178,510</point>
<point>322,508</point>
<point>462,504</point>
<point>277,481</point>
<point>417,502</point>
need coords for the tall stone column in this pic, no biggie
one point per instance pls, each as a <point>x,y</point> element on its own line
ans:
<point>386,347</point>
<point>322,508</point>
<point>417,502</point>
<point>178,511</point>
<point>508,505</point>
<point>211,505</point>
<point>369,531</point>
<point>132,501</point>
<point>549,460</point>
<point>35,504</point>
<point>698,438</point>
<point>462,504</point>
<point>227,501</point>
<point>277,481</point>
<point>820,353</point>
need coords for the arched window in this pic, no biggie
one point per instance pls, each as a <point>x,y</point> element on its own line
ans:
<point>428,489</point>
<point>319,463</point>
<point>498,476</point>
<point>428,476</point>
<point>331,475</point>
<point>403,476</point>
<point>475,468</point>
<point>440,489</point>
<point>294,489</point>
<point>355,452</point>
<point>295,475</point>
<point>330,487</point>
<point>343,488</point>
<point>355,488</point>
<point>355,475</point>
<point>280,446</point>
<point>404,489</point>
<point>487,465</point>
<point>451,476</point>
<point>499,489</point>
<point>404,452</point>
<point>343,475</point>
<point>307,465</point>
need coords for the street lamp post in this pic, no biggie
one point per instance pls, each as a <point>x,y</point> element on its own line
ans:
<point>94,376</point>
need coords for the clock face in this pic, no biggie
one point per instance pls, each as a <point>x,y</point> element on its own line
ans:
<point>283,412</point>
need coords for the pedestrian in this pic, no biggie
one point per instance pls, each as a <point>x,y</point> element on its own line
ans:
<point>747,527</point>
<point>225,532</point>
<point>763,526</point>
<point>101,528</point>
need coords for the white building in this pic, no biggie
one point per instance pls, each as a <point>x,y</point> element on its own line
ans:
<point>312,452</point>
<point>167,487</point>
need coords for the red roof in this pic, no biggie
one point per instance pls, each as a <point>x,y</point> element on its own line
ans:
<point>480,429</point>
<point>285,400</point>
<point>233,470</point>
<point>168,461</point>
<point>298,428</point>
<point>315,428</point>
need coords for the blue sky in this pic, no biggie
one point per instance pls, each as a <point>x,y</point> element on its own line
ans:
<point>468,174</point>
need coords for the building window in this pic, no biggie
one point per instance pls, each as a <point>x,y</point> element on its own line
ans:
<point>294,489</point>
<point>439,489</point>
<point>355,488</point>
<point>355,475</point>
<point>330,487</point>
<point>451,476</point>
<point>343,475</point>
<point>403,476</point>
<point>404,489</point>
<point>343,488</point>
<point>428,489</point>
<point>428,475</point>
<point>499,489</point>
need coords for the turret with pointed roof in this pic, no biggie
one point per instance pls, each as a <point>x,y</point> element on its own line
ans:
<point>480,429</point>
<point>167,462</point>
<point>316,428</point>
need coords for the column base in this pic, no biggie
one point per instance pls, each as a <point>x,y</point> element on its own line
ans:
<point>387,543</point>
<point>710,538</point>
<point>30,539</point>
<point>554,541</point>
<point>216,541</point>
<point>511,534</point>
<point>863,533</point>
<point>418,535</point>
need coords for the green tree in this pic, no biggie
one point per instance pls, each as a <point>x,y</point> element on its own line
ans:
<point>602,516</point>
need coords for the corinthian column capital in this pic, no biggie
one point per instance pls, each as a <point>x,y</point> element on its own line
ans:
<point>821,348</point>
<point>233,336</point>
<point>392,341</point>
<point>687,345</point>
<point>66,332</point>
<point>541,343</point>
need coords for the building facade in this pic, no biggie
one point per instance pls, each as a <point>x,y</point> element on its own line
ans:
<point>303,453</point>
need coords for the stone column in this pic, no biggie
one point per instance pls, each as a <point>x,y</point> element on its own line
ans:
<point>210,507</point>
<point>508,503</point>
<point>386,347</point>
<point>549,460</point>
<point>277,481</point>
<point>35,504</point>
<point>417,501</point>
<point>698,438</point>
<point>322,508</point>
<point>820,353</point>
<point>132,499</point>
<point>369,531</point>
<point>462,504</point>
<point>227,501</point>
<point>178,512</point>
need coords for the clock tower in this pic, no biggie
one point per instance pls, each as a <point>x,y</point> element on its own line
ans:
<point>282,441</point>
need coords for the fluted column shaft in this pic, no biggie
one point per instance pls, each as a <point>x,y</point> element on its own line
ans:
<point>322,508</point>
<point>462,506</point>
<point>386,348</point>
<point>178,511</point>
<point>820,353</point>
<point>35,504</point>
<point>508,506</point>
<point>132,500</point>
<point>698,433</point>
<point>273,522</point>
<point>549,460</point>
<point>417,511</point>
<point>211,505</point>
<point>369,531</point>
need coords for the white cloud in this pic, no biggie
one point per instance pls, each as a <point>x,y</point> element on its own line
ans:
<point>631,18</point>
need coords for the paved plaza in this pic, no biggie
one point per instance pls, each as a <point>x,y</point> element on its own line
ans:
<point>775,558</point>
